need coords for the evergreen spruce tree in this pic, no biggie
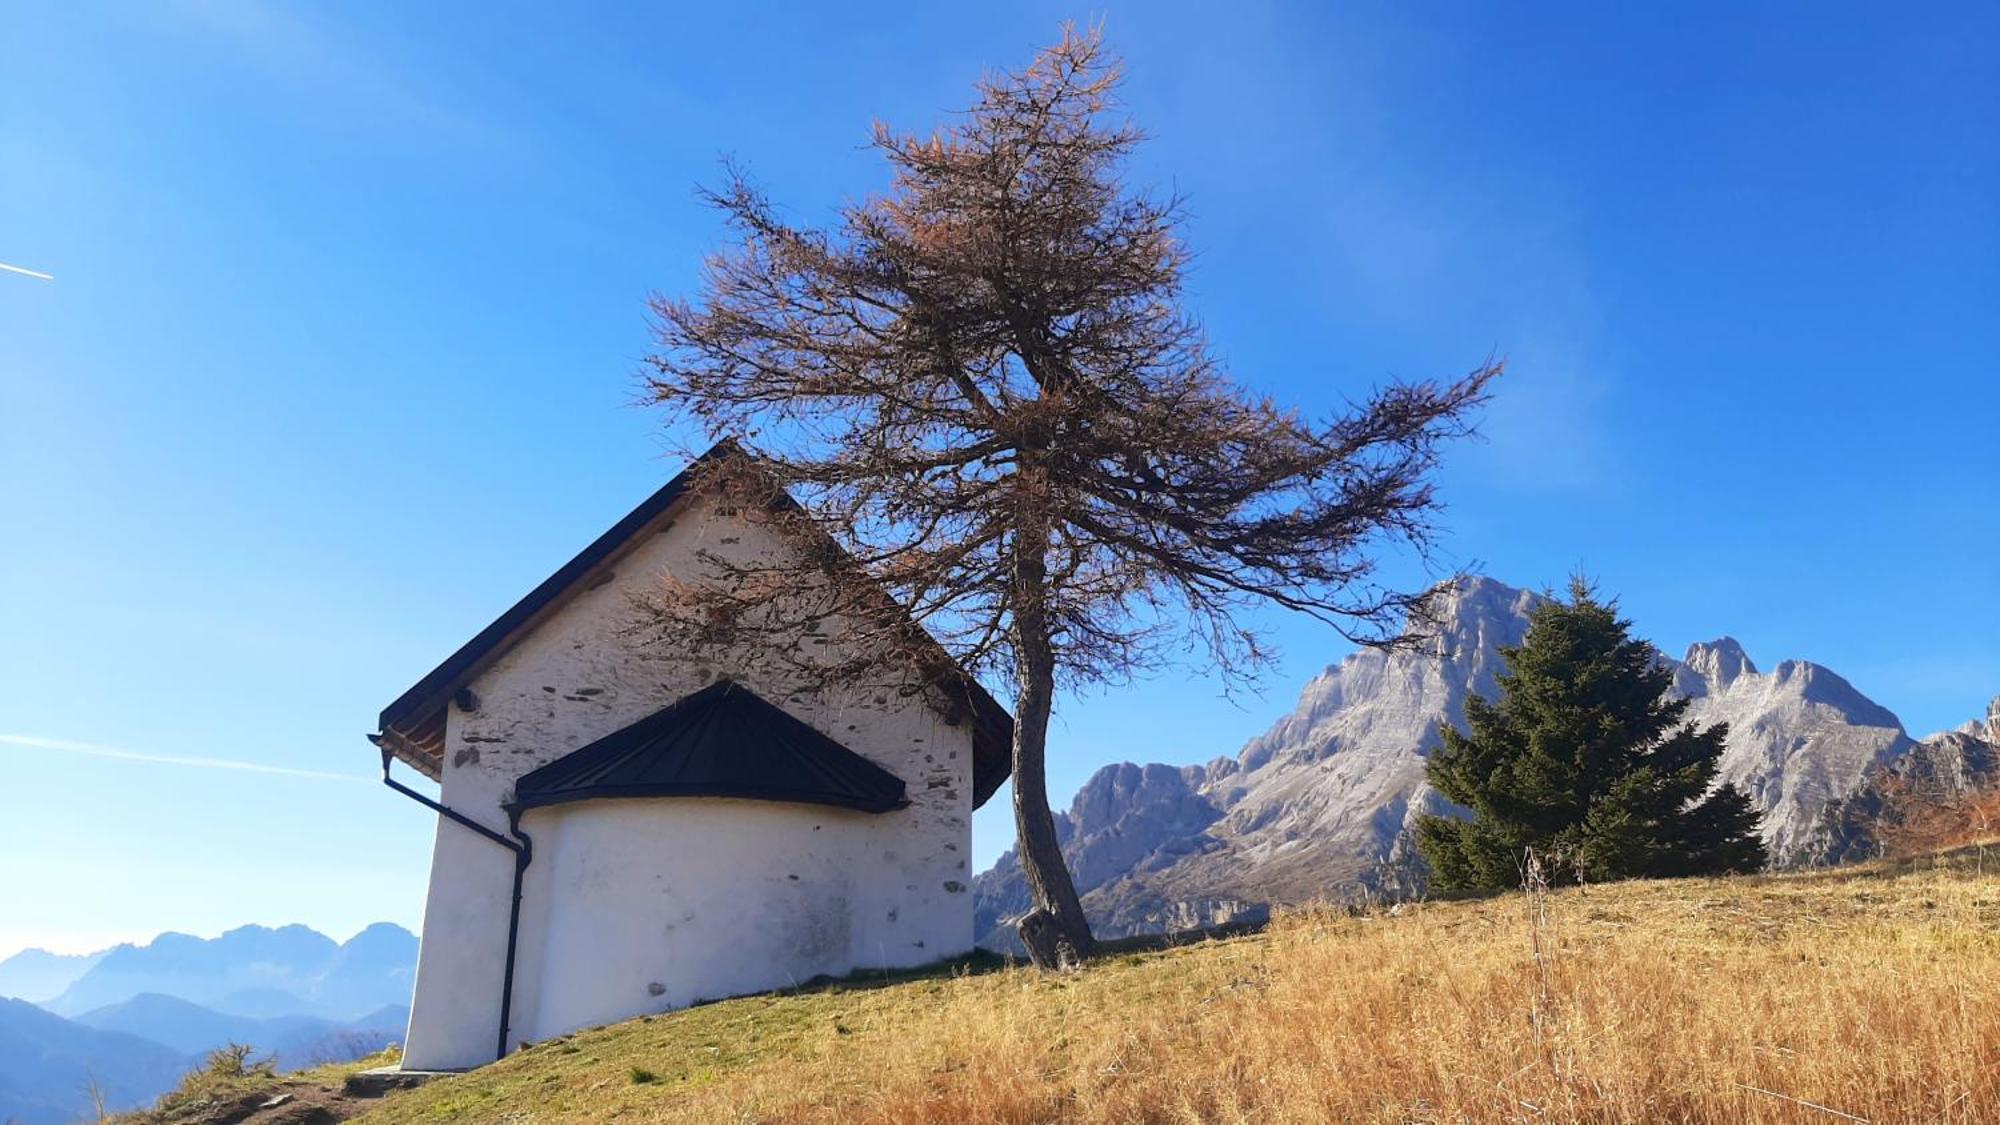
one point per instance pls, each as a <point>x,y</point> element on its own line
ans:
<point>1584,758</point>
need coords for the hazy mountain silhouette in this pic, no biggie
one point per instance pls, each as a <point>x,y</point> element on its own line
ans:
<point>255,971</point>
<point>294,1041</point>
<point>48,1063</point>
<point>141,1015</point>
<point>36,975</point>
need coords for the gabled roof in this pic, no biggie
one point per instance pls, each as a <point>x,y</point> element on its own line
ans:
<point>723,741</point>
<point>413,726</point>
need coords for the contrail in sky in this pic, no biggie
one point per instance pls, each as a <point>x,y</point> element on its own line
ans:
<point>64,746</point>
<point>29,272</point>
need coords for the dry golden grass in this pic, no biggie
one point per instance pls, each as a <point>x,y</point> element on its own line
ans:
<point>1871,994</point>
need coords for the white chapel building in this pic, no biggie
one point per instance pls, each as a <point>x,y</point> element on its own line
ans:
<point>624,828</point>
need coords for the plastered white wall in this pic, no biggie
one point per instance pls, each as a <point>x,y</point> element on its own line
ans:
<point>692,895</point>
<point>751,896</point>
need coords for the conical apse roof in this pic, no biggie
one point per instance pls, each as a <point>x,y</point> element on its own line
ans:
<point>722,741</point>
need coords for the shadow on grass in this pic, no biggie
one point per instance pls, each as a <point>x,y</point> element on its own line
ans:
<point>982,961</point>
<point>975,963</point>
<point>1156,943</point>
<point>1977,859</point>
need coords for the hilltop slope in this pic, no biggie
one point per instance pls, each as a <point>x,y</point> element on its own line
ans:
<point>1861,990</point>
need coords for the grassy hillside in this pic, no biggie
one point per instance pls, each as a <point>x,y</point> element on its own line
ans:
<point>1868,994</point>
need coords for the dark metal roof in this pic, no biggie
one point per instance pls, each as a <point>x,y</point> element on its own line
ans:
<point>723,741</point>
<point>413,726</point>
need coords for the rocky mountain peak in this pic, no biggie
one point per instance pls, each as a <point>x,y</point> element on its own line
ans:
<point>1937,773</point>
<point>1818,684</point>
<point>1718,662</point>
<point>1322,803</point>
<point>1477,613</point>
<point>1394,696</point>
<point>1988,729</point>
<point>1126,819</point>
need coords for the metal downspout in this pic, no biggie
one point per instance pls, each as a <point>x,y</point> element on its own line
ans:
<point>524,852</point>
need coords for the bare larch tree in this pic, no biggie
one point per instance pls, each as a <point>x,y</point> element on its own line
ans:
<point>985,395</point>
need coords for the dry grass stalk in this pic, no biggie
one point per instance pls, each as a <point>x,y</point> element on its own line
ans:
<point>1774,999</point>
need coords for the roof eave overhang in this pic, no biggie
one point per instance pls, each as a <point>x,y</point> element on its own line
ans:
<point>407,752</point>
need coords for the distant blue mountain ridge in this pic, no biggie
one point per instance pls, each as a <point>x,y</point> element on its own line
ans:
<point>36,975</point>
<point>292,1041</point>
<point>133,1018</point>
<point>48,1064</point>
<point>256,971</point>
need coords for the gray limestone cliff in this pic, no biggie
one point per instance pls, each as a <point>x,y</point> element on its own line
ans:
<point>1320,806</point>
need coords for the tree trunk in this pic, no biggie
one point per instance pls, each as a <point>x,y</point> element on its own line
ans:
<point>1056,932</point>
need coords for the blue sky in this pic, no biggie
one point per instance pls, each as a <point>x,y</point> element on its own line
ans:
<point>340,353</point>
